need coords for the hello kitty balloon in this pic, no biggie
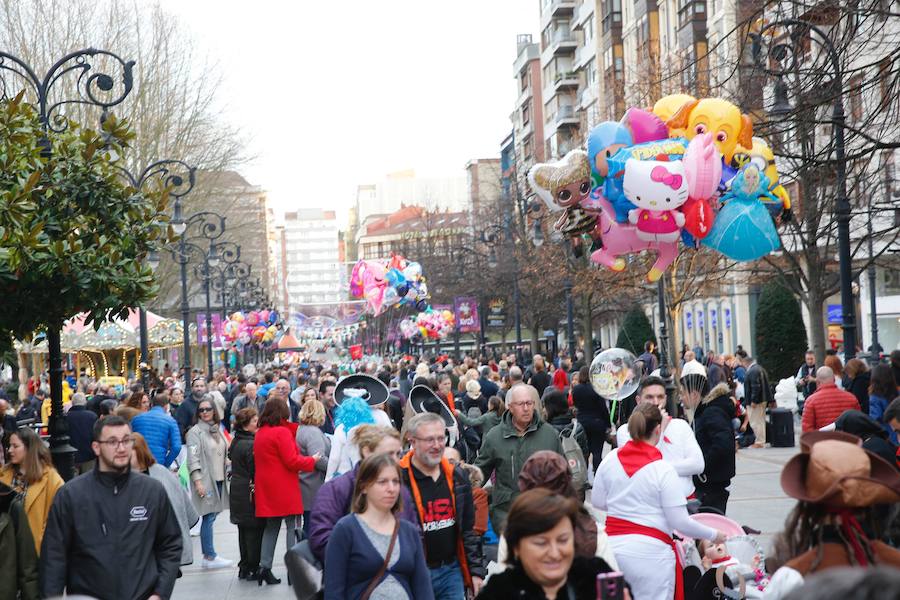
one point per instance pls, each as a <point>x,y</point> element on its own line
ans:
<point>658,189</point>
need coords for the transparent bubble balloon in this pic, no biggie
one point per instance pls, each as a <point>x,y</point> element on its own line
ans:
<point>615,374</point>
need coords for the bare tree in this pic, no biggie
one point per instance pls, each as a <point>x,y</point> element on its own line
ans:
<point>174,108</point>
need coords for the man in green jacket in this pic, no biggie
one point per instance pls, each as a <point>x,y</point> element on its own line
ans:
<point>506,447</point>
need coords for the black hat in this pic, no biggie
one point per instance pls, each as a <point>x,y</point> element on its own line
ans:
<point>423,399</point>
<point>369,388</point>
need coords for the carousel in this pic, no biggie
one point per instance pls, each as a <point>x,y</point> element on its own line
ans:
<point>110,351</point>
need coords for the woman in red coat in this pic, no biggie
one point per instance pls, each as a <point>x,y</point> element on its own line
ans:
<point>277,487</point>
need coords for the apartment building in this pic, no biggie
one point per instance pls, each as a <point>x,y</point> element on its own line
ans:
<point>528,115</point>
<point>312,258</point>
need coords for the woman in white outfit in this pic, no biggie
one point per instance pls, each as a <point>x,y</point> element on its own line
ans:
<point>645,503</point>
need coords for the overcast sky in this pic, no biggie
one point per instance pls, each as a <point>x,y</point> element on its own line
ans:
<point>338,93</point>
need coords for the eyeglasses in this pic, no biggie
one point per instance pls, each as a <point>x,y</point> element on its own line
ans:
<point>431,441</point>
<point>204,410</point>
<point>114,443</point>
<point>527,404</point>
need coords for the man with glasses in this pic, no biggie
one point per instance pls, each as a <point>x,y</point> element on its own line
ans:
<point>443,498</point>
<point>111,533</point>
<point>506,447</point>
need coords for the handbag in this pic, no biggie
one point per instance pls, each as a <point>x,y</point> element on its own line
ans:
<point>387,558</point>
<point>304,570</point>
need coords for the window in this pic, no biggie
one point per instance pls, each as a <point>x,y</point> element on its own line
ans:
<point>525,79</point>
<point>526,150</point>
<point>856,101</point>
<point>588,31</point>
<point>884,80</point>
<point>590,73</point>
<point>526,114</point>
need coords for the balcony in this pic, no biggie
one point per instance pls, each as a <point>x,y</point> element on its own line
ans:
<point>584,11</point>
<point>566,117</point>
<point>567,80</point>
<point>563,42</point>
<point>561,8</point>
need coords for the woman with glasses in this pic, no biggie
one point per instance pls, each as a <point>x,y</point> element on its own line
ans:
<point>206,455</point>
<point>29,472</point>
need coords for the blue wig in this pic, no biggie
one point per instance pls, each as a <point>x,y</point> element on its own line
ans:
<point>353,411</point>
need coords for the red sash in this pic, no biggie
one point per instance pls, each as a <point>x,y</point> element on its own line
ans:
<point>617,526</point>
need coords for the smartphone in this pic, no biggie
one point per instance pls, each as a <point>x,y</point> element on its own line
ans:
<point>610,586</point>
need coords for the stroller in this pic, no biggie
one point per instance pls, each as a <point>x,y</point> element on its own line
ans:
<point>741,577</point>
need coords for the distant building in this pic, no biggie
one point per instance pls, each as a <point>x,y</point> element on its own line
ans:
<point>483,180</point>
<point>406,188</point>
<point>414,232</point>
<point>528,115</point>
<point>312,258</point>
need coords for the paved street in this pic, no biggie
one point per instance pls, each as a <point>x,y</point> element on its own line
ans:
<point>756,500</point>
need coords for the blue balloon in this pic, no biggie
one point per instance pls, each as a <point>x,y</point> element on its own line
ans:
<point>743,229</point>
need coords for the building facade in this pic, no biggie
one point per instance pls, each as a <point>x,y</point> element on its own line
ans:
<point>312,258</point>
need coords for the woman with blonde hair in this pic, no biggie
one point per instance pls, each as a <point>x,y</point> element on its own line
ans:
<point>29,472</point>
<point>310,441</point>
<point>142,460</point>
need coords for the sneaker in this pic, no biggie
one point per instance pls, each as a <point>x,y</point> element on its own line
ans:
<point>195,530</point>
<point>216,563</point>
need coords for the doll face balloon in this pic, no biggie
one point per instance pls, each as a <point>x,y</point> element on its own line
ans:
<point>564,183</point>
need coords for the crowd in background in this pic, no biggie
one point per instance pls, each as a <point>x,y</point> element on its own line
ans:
<point>416,477</point>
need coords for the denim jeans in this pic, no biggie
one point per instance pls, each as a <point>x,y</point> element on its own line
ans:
<point>206,531</point>
<point>447,582</point>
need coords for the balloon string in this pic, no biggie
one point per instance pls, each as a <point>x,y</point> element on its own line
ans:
<point>612,412</point>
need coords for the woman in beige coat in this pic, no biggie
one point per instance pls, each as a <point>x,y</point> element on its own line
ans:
<point>207,461</point>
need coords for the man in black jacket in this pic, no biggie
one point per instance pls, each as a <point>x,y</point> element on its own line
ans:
<point>188,408</point>
<point>757,396</point>
<point>453,551</point>
<point>715,436</point>
<point>111,533</point>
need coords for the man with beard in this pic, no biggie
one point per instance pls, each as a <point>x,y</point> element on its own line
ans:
<point>111,532</point>
<point>443,499</point>
<point>188,408</point>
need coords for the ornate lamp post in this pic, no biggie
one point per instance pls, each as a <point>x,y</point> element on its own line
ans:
<point>223,252</point>
<point>179,177</point>
<point>779,59</point>
<point>94,87</point>
<point>211,226</point>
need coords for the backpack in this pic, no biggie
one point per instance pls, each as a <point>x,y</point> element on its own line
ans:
<point>574,456</point>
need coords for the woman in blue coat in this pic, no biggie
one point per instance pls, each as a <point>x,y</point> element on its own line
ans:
<point>371,550</point>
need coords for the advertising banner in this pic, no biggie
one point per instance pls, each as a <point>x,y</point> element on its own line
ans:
<point>465,309</point>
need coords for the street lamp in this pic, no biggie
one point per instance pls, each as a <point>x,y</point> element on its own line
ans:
<point>230,254</point>
<point>211,226</point>
<point>179,178</point>
<point>570,318</point>
<point>92,87</point>
<point>778,60</point>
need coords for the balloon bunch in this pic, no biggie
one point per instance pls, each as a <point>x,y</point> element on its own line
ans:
<point>686,170</point>
<point>255,327</point>
<point>430,324</point>
<point>386,283</point>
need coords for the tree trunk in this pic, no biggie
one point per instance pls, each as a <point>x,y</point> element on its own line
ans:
<point>23,376</point>
<point>814,304</point>
<point>535,330</point>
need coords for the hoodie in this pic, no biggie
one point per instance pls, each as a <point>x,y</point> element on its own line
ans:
<point>712,427</point>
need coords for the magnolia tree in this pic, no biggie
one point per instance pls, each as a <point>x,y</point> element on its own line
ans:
<point>73,234</point>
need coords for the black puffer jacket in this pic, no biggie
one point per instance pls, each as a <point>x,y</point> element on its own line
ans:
<point>715,435</point>
<point>243,511</point>
<point>514,583</point>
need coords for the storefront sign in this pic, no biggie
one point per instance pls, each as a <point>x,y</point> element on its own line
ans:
<point>496,312</point>
<point>835,314</point>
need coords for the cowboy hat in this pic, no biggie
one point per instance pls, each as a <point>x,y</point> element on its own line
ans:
<point>423,399</point>
<point>840,474</point>
<point>808,439</point>
<point>369,388</point>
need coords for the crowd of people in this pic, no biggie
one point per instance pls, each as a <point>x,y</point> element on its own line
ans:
<point>431,477</point>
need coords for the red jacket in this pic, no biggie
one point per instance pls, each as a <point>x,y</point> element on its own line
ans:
<point>277,463</point>
<point>825,405</point>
